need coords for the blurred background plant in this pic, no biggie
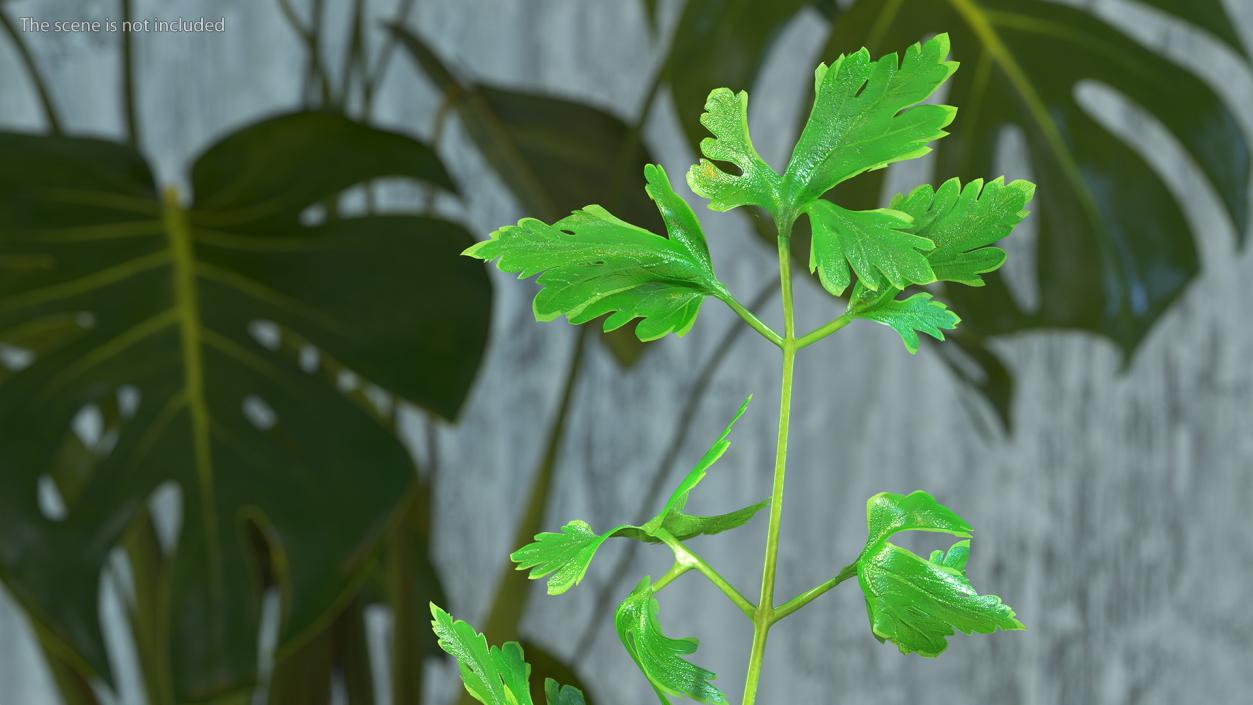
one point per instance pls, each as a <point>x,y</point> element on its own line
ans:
<point>231,411</point>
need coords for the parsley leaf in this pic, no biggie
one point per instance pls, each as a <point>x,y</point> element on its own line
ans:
<point>726,117</point>
<point>558,694</point>
<point>910,316</point>
<point>590,264</point>
<point>658,656</point>
<point>964,221</point>
<point>493,675</point>
<point>917,603</point>
<point>862,117</point>
<point>566,555</point>
<point>684,526</point>
<point>877,244</point>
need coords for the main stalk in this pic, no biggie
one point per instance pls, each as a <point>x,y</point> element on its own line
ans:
<point>764,616</point>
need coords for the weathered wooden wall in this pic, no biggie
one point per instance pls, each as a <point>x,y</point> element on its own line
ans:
<point>1115,519</point>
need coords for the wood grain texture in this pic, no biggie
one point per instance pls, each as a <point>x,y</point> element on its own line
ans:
<point>1115,519</point>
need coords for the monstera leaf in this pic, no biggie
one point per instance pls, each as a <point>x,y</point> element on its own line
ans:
<point>1114,249</point>
<point>165,302</point>
<point>554,155</point>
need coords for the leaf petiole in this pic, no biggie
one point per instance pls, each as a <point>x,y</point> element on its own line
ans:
<point>753,321</point>
<point>823,331</point>
<point>671,575</point>
<point>813,593</point>
<point>683,556</point>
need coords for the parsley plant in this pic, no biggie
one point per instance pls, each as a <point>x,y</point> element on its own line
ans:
<point>867,114</point>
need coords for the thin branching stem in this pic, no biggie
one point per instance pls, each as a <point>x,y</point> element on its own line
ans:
<point>671,575</point>
<point>813,593</point>
<point>764,616</point>
<point>661,475</point>
<point>823,331</point>
<point>32,71</point>
<point>753,321</point>
<point>685,556</point>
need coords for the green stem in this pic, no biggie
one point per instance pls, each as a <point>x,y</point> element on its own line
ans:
<point>809,595</point>
<point>686,557</point>
<point>71,684</point>
<point>819,333</point>
<point>128,80</point>
<point>764,615</point>
<point>32,71</point>
<point>671,575</point>
<point>755,323</point>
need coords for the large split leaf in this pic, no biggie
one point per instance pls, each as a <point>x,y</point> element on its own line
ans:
<point>1114,249</point>
<point>917,603</point>
<point>166,298</point>
<point>659,657</point>
<point>554,155</point>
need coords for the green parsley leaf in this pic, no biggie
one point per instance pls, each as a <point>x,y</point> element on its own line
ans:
<point>565,555</point>
<point>726,117</point>
<point>917,603</point>
<point>963,222</point>
<point>557,694</point>
<point>494,675</point>
<point>954,558</point>
<point>590,264</point>
<point>889,513</point>
<point>862,117</point>
<point>658,656</point>
<point>684,526</point>
<point>908,317</point>
<point>876,243</point>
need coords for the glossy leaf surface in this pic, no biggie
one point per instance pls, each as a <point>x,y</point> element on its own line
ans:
<point>963,223</point>
<point>564,556</point>
<point>877,244</point>
<point>917,603</point>
<point>165,299</point>
<point>1113,249</point>
<point>866,116</point>
<point>910,316</point>
<point>756,183</point>
<point>591,263</point>
<point>659,657</point>
<point>493,675</point>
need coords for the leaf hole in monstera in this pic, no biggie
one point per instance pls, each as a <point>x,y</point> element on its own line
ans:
<point>266,333</point>
<point>166,507</point>
<point>51,503</point>
<point>260,414</point>
<point>15,359</point>
<point>128,400</point>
